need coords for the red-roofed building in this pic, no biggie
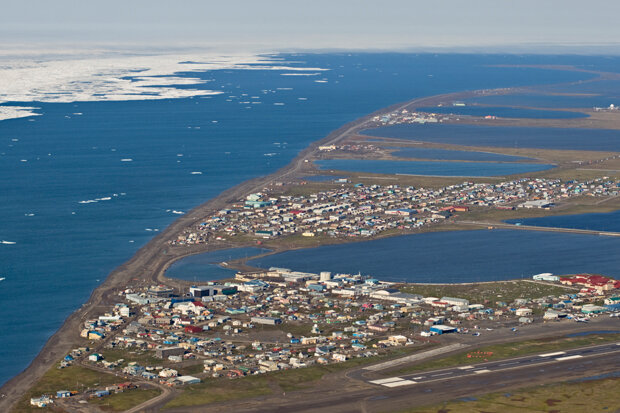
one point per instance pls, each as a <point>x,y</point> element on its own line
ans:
<point>193,329</point>
<point>596,282</point>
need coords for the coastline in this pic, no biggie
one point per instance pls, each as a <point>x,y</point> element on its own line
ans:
<point>151,261</point>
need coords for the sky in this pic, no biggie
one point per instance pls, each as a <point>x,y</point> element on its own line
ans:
<point>517,25</point>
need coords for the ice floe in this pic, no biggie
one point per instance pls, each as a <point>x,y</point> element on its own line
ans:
<point>14,112</point>
<point>112,77</point>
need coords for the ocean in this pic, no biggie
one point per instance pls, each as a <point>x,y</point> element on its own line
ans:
<point>87,183</point>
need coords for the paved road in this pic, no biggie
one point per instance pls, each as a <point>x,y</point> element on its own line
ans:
<point>612,350</point>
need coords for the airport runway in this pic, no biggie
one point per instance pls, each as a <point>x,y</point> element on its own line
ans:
<point>431,387</point>
<point>611,350</point>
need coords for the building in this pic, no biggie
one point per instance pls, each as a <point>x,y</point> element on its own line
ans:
<point>459,302</point>
<point>546,276</point>
<point>42,401</point>
<point>325,276</point>
<point>442,329</point>
<point>188,380</point>
<point>592,309</point>
<point>164,353</point>
<point>521,312</point>
<point>160,291</point>
<point>538,203</point>
<point>271,321</point>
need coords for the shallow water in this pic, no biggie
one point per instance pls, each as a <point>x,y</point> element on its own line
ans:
<point>431,168</point>
<point>507,137</point>
<point>607,221</point>
<point>209,266</point>
<point>459,256</point>
<point>453,155</point>
<point>503,112</point>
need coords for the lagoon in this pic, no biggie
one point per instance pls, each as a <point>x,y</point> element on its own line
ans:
<point>454,155</point>
<point>607,221</point>
<point>504,112</point>
<point>504,136</point>
<point>459,256</point>
<point>206,266</point>
<point>431,168</point>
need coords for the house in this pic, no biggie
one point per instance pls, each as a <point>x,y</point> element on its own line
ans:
<point>95,357</point>
<point>61,394</point>
<point>521,312</point>
<point>168,373</point>
<point>398,339</point>
<point>193,329</point>
<point>42,401</point>
<point>95,335</point>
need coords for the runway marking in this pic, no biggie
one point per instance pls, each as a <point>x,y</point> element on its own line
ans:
<point>465,367</point>
<point>399,383</point>
<point>383,381</point>
<point>418,378</point>
<point>559,353</point>
<point>576,356</point>
<point>482,371</point>
<point>441,374</point>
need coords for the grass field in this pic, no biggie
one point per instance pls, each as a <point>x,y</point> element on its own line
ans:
<point>71,378</point>
<point>569,397</point>
<point>488,293</point>
<point>123,401</point>
<point>214,391</point>
<point>139,356</point>
<point>509,350</point>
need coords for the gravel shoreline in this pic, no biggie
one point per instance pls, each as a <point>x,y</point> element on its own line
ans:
<point>151,261</point>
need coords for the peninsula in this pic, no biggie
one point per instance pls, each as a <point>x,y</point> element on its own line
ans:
<point>367,321</point>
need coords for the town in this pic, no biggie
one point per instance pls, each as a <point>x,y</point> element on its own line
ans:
<point>365,211</point>
<point>279,319</point>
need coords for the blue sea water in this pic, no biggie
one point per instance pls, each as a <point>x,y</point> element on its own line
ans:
<point>206,266</point>
<point>606,221</point>
<point>497,136</point>
<point>431,168</point>
<point>180,158</point>
<point>503,112</point>
<point>459,256</point>
<point>453,155</point>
